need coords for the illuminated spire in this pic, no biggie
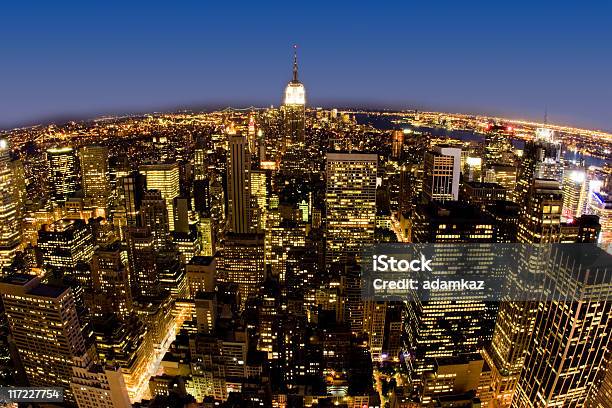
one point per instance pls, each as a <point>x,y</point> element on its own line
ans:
<point>295,66</point>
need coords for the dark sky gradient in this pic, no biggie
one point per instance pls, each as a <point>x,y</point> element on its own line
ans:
<point>511,58</point>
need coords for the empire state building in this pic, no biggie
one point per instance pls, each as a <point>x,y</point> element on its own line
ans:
<point>293,109</point>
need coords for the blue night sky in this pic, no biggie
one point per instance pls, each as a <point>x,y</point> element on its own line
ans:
<point>512,58</point>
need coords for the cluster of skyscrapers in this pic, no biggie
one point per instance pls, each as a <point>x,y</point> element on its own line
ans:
<point>222,267</point>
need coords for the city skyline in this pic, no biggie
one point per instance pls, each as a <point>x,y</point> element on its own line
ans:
<point>298,256</point>
<point>386,58</point>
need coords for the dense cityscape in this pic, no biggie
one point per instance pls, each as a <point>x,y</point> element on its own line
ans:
<point>214,259</point>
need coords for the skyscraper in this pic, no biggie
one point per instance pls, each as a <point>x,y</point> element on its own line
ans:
<point>45,329</point>
<point>574,193</point>
<point>111,281</point>
<point>239,184</point>
<point>63,176</point>
<point>154,216</point>
<point>10,224</point>
<point>540,220</point>
<point>442,168</point>
<point>133,191</point>
<point>539,223</point>
<point>242,263</point>
<point>144,280</point>
<point>350,204</point>
<point>541,159</point>
<point>65,243</point>
<point>294,107</point>
<point>601,205</point>
<point>166,179</point>
<point>571,334</point>
<point>94,174</point>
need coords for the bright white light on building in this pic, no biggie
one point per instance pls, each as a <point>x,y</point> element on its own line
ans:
<point>295,94</point>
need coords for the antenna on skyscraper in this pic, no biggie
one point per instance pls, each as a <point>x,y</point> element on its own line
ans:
<point>545,115</point>
<point>295,64</point>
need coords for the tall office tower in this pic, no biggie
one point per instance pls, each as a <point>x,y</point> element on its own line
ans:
<point>601,206</point>
<point>350,200</point>
<point>154,216</point>
<point>541,159</point>
<point>111,281</point>
<point>206,235</point>
<point>63,176</point>
<point>199,162</point>
<point>166,179</point>
<point>397,143</point>
<point>574,193</point>
<point>202,200</point>
<point>144,281</point>
<point>539,223</point>
<point>497,144</point>
<point>181,215</point>
<point>440,327</point>
<point>65,243</point>
<point>10,223</point>
<point>242,263</point>
<point>374,314</point>
<point>571,335</point>
<point>45,329</point>
<point>252,134</point>
<point>441,171</point>
<point>259,198</point>
<point>239,184</point>
<point>94,174</point>
<point>294,108</point>
<point>95,386</point>
<point>133,191</point>
<point>541,213</point>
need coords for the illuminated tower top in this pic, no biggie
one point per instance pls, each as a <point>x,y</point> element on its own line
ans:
<point>295,94</point>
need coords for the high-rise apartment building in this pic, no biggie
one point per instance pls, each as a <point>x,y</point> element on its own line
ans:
<point>350,201</point>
